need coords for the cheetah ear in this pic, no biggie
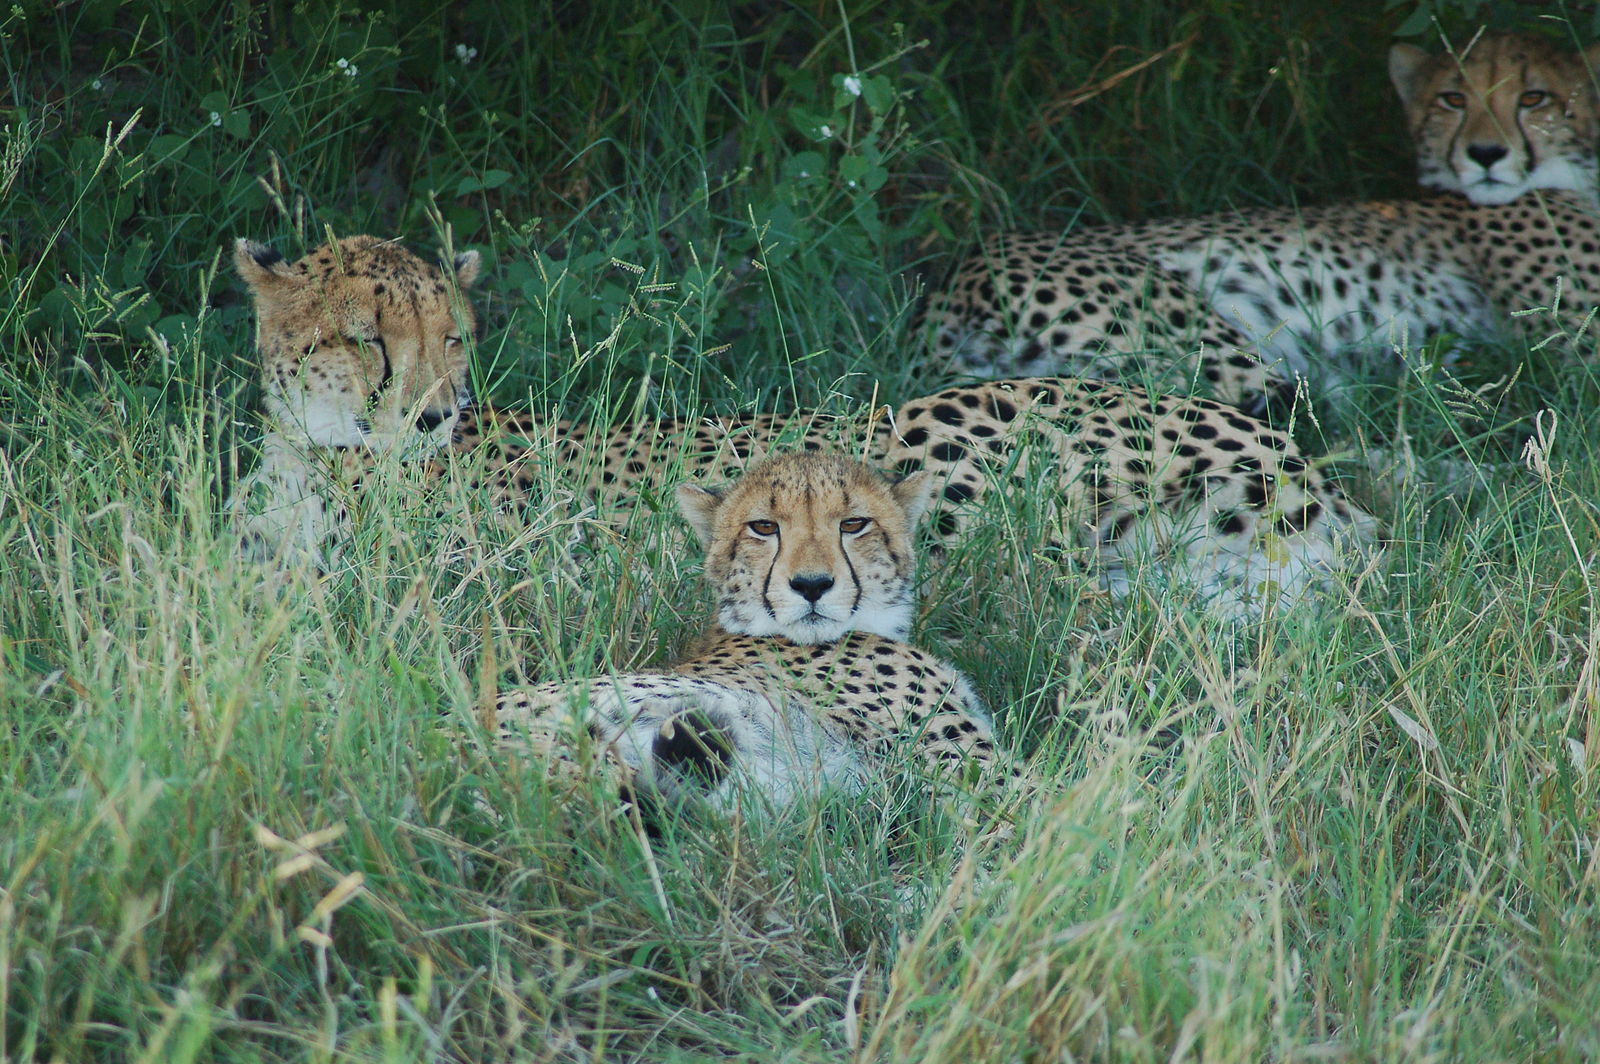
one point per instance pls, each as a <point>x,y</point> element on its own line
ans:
<point>699,507</point>
<point>1405,62</point>
<point>262,268</point>
<point>914,493</point>
<point>467,265</point>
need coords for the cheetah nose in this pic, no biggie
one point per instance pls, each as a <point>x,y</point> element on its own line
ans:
<point>811,586</point>
<point>1486,155</point>
<point>429,420</point>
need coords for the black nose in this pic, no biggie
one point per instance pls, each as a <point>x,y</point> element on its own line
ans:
<point>429,420</point>
<point>811,586</point>
<point>1486,155</point>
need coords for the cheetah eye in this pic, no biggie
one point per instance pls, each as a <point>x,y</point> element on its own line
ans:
<point>363,342</point>
<point>763,528</point>
<point>452,341</point>
<point>1532,98</point>
<point>1453,100</point>
<point>386,372</point>
<point>852,525</point>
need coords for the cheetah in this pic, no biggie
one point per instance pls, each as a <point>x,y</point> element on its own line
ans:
<point>806,680</point>
<point>362,359</point>
<point>1239,304</point>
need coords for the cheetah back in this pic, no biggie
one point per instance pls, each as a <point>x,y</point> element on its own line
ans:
<point>1266,294</point>
<point>1135,477</point>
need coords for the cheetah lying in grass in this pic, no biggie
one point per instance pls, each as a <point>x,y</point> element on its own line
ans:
<point>805,682</point>
<point>362,357</point>
<point>1240,303</point>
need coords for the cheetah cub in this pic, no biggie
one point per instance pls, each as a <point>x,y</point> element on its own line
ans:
<point>805,682</point>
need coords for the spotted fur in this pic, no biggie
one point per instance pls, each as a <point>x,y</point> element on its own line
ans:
<point>1125,478</point>
<point>805,683</point>
<point>1238,304</point>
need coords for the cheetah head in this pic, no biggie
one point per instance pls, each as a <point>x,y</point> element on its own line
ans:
<point>809,547</point>
<point>1508,114</point>
<point>361,343</point>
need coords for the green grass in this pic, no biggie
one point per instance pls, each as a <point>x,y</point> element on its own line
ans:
<point>250,818</point>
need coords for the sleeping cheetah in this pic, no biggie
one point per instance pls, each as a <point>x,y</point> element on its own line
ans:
<point>1239,303</point>
<point>361,357</point>
<point>805,682</point>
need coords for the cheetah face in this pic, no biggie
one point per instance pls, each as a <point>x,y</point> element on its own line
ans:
<point>361,342</point>
<point>810,547</point>
<point>1507,115</point>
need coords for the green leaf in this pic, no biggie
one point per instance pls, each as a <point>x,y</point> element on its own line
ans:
<point>176,328</point>
<point>463,219</point>
<point>479,183</point>
<point>517,272</point>
<point>814,125</point>
<point>866,216</point>
<point>168,148</point>
<point>1419,21</point>
<point>804,166</point>
<point>857,171</point>
<point>84,155</point>
<point>878,93</point>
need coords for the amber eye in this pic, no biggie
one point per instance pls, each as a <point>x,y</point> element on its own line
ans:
<point>1453,100</point>
<point>852,525</point>
<point>1532,98</point>
<point>763,528</point>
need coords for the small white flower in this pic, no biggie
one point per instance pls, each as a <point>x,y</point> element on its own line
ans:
<point>216,119</point>
<point>805,173</point>
<point>347,68</point>
<point>826,131</point>
<point>465,54</point>
<point>342,63</point>
<point>97,85</point>
<point>852,85</point>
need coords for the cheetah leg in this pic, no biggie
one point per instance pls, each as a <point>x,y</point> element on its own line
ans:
<point>673,735</point>
<point>281,516</point>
